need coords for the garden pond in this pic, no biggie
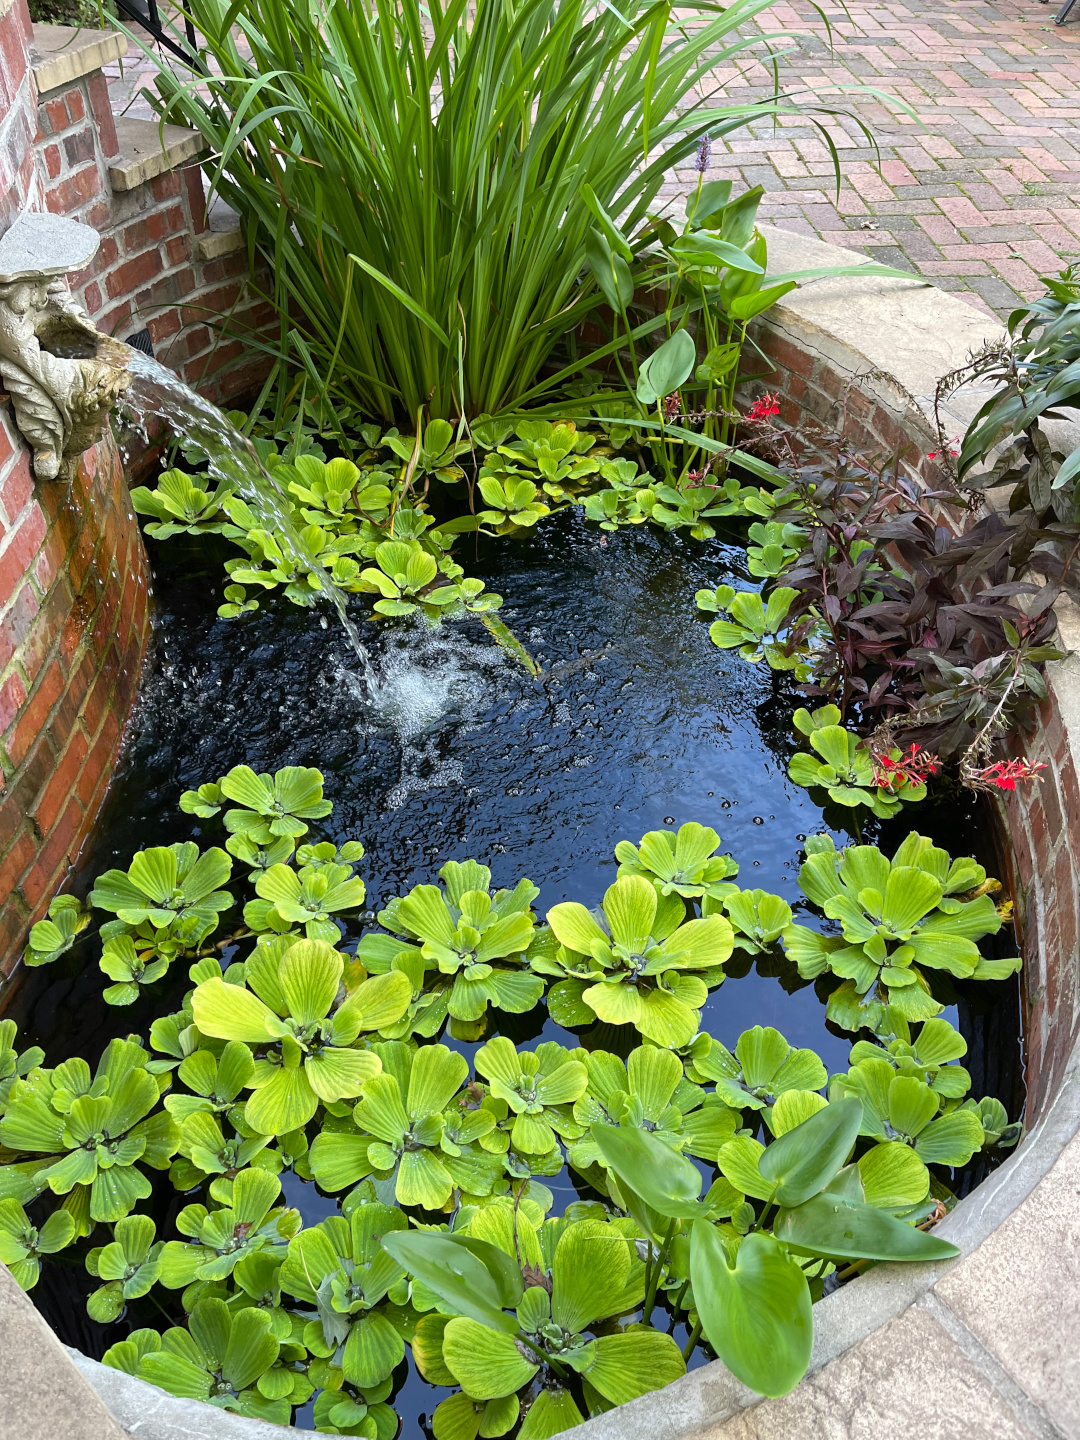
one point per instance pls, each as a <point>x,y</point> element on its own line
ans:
<point>636,722</point>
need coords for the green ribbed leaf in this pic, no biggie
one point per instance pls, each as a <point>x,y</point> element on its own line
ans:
<point>487,1363</point>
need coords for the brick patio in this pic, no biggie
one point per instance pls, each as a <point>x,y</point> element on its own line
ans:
<point>980,193</point>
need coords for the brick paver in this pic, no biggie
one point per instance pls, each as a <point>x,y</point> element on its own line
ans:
<point>977,189</point>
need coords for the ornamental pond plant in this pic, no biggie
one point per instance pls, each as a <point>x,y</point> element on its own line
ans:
<point>720,1191</point>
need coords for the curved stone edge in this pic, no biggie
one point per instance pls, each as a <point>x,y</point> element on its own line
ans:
<point>875,347</point>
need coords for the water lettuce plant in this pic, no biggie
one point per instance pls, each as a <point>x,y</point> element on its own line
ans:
<point>636,961</point>
<point>759,631</point>
<point>728,1185</point>
<point>88,1135</point>
<point>845,766</point>
<point>304,1038</point>
<point>581,1274</point>
<point>474,940</point>
<point>684,864</point>
<point>399,1131</point>
<point>896,917</point>
<point>22,1244</point>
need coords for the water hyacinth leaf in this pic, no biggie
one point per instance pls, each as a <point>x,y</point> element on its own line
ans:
<point>827,1225</point>
<point>664,1179</point>
<point>453,1273</point>
<point>803,1161</point>
<point>487,1363</point>
<point>757,1314</point>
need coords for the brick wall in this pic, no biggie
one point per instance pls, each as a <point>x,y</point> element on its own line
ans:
<point>1043,825</point>
<point>18,173</point>
<point>74,585</point>
<point>74,579</point>
<point>150,270</point>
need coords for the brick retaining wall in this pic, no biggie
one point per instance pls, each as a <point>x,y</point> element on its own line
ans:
<point>74,577</point>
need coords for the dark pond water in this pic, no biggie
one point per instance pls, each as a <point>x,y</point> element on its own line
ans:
<point>639,723</point>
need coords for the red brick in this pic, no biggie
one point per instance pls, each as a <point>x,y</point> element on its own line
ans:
<point>75,108</point>
<point>165,187</point>
<point>56,116</point>
<point>51,156</point>
<point>12,695</point>
<point>35,713</point>
<point>162,326</point>
<point>92,297</point>
<point>18,489</point>
<point>21,550</point>
<point>132,274</point>
<point>73,191</point>
<point>54,798</point>
<point>178,249</point>
<point>16,862</point>
<point>97,89</point>
<point>79,147</point>
<point>196,197</point>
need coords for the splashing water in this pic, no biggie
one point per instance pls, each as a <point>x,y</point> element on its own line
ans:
<point>428,681</point>
<point>231,457</point>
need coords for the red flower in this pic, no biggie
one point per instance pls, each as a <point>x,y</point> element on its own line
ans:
<point>672,406</point>
<point>760,410</point>
<point>1004,774</point>
<point>911,768</point>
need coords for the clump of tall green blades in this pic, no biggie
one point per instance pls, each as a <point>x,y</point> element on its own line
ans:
<point>415,177</point>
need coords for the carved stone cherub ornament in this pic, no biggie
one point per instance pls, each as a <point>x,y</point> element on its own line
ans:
<point>62,376</point>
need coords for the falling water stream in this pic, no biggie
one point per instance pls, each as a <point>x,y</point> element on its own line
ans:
<point>231,457</point>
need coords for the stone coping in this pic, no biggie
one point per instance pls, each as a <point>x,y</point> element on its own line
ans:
<point>62,54</point>
<point>981,1346</point>
<point>148,149</point>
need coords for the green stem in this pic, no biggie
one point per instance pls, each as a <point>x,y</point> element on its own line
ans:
<point>681,1295</point>
<point>653,1282</point>
<point>695,1336</point>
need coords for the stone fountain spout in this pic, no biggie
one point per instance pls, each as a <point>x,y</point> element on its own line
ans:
<point>62,376</point>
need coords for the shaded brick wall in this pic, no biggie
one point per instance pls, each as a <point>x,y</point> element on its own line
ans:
<point>149,270</point>
<point>74,587</point>
<point>74,578</point>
